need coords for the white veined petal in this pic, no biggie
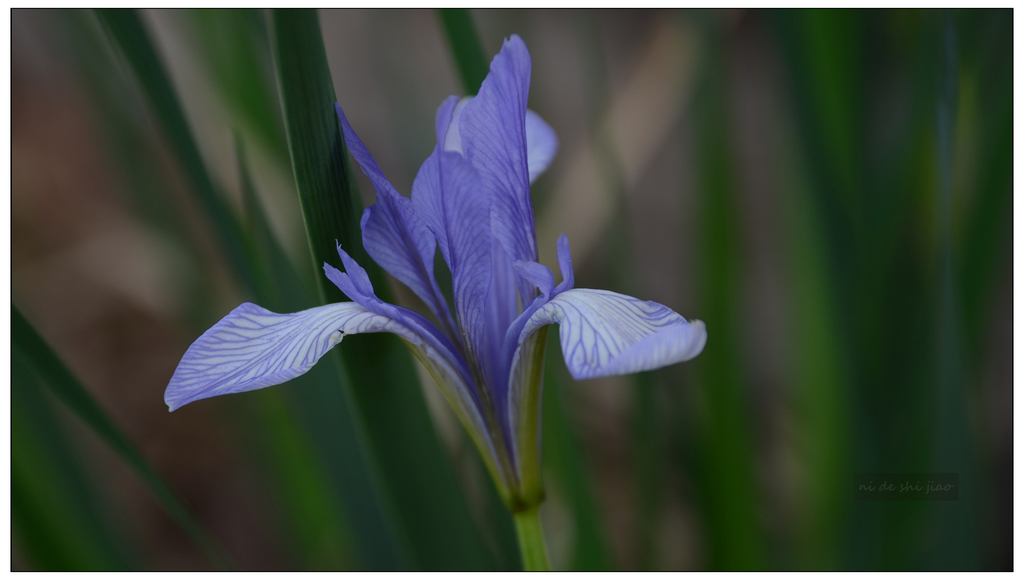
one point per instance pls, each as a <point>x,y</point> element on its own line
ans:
<point>604,333</point>
<point>252,348</point>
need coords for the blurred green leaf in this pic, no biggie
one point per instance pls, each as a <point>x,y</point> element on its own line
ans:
<point>137,152</point>
<point>57,518</point>
<point>983,249</point>
<point>987,196</point>
<point>315,529</point>
<point>466,48</point>
<point>52,373</point>
<point>130,35</point>
<point>280,287</point>
<point>565,463</point>
<point>956,547</point>
<point>415,477</point>
<point>885,260</point>
<point>821,396</point>
<point>235,51</point>
<point>726,456</point>
<point>322,535</point>
<point>121,118</point>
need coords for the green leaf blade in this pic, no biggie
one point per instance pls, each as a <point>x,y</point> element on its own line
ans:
<point>52,373</point>
<point>128,32</point>
<point>469,55</point>
<point>414,476</point>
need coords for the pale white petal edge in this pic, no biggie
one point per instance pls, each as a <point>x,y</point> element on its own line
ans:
<point>541,145</point>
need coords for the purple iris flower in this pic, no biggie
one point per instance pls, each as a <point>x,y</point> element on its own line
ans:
<point>471,199</point>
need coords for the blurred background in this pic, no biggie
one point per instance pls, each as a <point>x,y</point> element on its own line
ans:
<point>830,191</point>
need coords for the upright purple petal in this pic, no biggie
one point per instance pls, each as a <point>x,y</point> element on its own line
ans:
<point>446,193</point>
<point>357,285</point>
<point>394,236</point>
<point>565,265</point>
<point>438,354</point>
<point>493,133</point>
<point>502,308</point>
<point>541,141</point>
<point>428,191</point>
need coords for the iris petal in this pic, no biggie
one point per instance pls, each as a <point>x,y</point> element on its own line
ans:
<point>252,348</point>
<point>394,236</point>
<point>537,274</point>
<point>604,333</point>
<point>541,145</point>
<point>565,265</point>
<point>541,141</point>
<point>493,132</point>
<point>356,285</point>
<point>446,193</point>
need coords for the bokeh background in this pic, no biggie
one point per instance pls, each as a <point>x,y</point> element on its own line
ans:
<point>830,191</point>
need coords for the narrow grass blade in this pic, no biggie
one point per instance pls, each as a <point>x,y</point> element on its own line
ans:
<point>127,31</point>
<point>280,287</point>
<point>465,44</point>
<point>986,107</point>
<point>892,321</point>
<point>235,51</point>
<point>52,373</point>
<point>314,501</point>
<point>821,396</point>
<point>726,458</point>
<point>412,471</point>
<point>983,249</point>
<point>57,516</point>
<point>565,464</point>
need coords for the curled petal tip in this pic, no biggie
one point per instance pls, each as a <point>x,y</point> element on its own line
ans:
<point>700,338</point>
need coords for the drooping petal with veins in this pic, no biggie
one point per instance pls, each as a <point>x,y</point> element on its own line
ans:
<point>252,348</point>
<point>604,333</point>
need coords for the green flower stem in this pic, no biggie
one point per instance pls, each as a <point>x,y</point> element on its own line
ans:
<point>531,540</point>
